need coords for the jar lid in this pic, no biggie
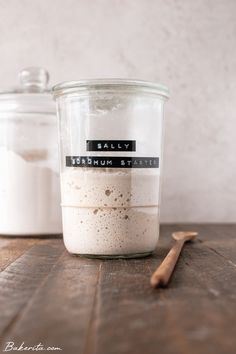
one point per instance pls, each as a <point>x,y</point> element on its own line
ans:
<point>31,96</point>
<point>83,86</point>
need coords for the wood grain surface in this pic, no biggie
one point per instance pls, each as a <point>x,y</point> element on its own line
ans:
<point>86,306</point>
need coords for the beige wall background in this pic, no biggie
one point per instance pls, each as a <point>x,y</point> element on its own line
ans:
<point>189,45</point>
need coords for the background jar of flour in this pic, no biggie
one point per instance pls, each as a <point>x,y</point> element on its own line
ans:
<point>111,157</point>
<point>29,179</point>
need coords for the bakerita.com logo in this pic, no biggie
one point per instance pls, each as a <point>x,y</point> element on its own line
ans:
<point>12,347</point>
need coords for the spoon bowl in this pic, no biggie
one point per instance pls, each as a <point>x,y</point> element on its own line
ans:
<point>184,235</point>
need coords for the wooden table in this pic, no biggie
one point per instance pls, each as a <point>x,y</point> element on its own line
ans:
<point>89,306</point>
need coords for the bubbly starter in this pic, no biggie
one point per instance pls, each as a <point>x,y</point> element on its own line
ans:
<point>110,211</point>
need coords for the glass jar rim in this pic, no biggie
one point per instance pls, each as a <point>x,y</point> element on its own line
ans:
<point>80,86</point>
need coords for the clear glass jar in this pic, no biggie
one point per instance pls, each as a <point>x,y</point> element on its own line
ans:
<point>111,148</point>
<point>29,174</point>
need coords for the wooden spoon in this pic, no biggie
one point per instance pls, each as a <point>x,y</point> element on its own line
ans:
<point>163,273</point>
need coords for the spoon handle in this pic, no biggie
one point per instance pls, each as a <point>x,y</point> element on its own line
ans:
<point>163,273</point>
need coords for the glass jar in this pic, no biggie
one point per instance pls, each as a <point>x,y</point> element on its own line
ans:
<point>29,174</point>
<point>111,157</point>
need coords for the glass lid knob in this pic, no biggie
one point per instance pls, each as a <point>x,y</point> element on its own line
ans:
<point>34,79</point>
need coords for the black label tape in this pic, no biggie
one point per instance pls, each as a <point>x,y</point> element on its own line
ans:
<point>112,162</point>
<point>110,145</point>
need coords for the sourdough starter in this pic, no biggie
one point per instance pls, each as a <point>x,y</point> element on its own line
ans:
<point>110,212</point>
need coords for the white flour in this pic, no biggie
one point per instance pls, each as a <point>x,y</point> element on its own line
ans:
<point>110,213</point>
<point>29,197</point>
